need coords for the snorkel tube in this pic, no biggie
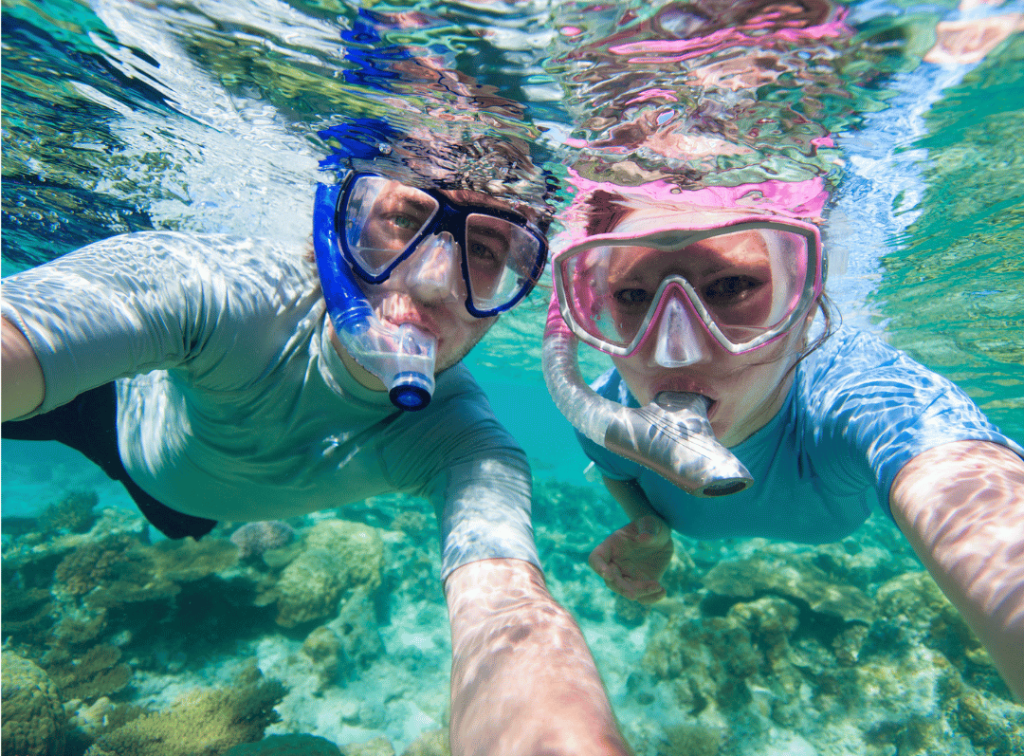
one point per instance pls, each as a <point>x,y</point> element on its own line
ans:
<point>671,435</point>
<point>401,356</point>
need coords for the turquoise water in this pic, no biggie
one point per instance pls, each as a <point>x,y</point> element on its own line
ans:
<point>122,116</point>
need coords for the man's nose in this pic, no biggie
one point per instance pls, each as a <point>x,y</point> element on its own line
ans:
<point>432,269</point>
<point>681,339</point>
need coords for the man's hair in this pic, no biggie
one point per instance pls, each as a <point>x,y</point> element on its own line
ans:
<point>454,157</point>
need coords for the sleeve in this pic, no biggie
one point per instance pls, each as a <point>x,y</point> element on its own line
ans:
<point>480,484</point>
<point>136,303</point>
<point>890,409</point>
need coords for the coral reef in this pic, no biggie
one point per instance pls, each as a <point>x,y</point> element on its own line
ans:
<point>846,649</point>
<point>339,556</point>
<point>286,745</point>
<point>792,578</point>
<point>375,747</point>
<point>201,723</point>
<point>430,743</point>
<point>72,514</point>
<point>34,723</point>
<point>254,539</point>
<point>98,673</point>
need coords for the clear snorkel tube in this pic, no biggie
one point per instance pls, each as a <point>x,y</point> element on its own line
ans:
<point>401,356</point>
<point>671,435</point>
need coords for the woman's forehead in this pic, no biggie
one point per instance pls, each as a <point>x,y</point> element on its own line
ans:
<point>746,248</point>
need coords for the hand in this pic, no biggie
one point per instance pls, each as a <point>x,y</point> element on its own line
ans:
<point>632,559</point>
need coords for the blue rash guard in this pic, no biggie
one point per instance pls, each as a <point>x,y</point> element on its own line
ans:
<point>233,404</point>
<point>857,412</point>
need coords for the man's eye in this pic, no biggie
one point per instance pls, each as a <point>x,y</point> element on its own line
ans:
<point>632,297</point>
<point>404,222</point>
<point>730,289</point>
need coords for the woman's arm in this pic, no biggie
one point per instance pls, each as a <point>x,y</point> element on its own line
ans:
<point>632,560</point>
<point>22,386</point>
<point>961,506</point>
<point>523,680</point>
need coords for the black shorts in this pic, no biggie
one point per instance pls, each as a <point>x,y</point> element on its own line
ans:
<point>89,424</point>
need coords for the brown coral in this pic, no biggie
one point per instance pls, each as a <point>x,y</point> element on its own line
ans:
<point>34,723</point>
<point>99,672</point>
<point>73,514</point>
<point>201,723</point>
<point>99,563</point>
<point>340,555</point>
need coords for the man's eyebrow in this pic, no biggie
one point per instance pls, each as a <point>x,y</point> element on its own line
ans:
<point>490,232</point>
<point>416,201</point>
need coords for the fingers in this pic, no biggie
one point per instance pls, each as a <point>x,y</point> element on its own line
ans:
<point>643,591</point>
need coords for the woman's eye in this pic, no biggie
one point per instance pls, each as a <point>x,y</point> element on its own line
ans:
<point>632,297</point>
<point>730,289</point>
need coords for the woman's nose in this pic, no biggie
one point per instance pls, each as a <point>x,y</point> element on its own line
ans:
<point>681,340</point>
<point>431,272</point>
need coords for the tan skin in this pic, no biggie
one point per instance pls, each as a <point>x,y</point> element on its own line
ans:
<point>965,523</point>
<point>523,680</point>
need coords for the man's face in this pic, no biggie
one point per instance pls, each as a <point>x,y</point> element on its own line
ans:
<point>428,289</point>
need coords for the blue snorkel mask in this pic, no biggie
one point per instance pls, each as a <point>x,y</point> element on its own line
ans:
<point>368,225</point>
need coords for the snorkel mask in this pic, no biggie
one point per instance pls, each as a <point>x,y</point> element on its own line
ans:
<point>653,277</point>
<point>369,225</point>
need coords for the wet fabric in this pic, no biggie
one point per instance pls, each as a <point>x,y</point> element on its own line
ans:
<point>232,403</point>
<point>88,424</point>
<point>858,411</point>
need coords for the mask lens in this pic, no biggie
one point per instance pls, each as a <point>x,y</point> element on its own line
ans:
<point>745,282</point>
<point>382,218</point>
<point>500,260</point>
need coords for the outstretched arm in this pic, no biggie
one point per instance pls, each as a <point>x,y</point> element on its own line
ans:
<point>523,680</point>
<point>961,506</point>
<point>23,386</point>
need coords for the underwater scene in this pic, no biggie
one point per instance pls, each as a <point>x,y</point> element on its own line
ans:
<point>328,633</point>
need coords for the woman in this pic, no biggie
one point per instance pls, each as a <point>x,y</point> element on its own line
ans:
<point>706,302</point>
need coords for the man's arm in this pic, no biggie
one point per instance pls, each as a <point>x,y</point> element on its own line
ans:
<point>22,387</point>
<point>523,680</point>
<point>961,506</point>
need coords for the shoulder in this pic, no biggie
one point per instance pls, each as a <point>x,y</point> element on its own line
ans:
<point>151,258</point>
<point>611,386</point>
<point>856,361</point>
<point>460,410</point>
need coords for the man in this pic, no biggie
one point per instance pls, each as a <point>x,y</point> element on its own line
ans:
<point>253,382</point>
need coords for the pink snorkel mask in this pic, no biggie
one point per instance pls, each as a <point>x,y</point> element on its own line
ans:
<point>746,280</point>
<point>738,263</point>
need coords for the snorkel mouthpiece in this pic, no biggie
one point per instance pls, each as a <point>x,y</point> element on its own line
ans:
<point>671,435</point>
<point>401,356</point>
<point>412,384</point>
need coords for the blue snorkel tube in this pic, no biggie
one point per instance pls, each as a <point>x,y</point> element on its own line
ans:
<point>401,356</point>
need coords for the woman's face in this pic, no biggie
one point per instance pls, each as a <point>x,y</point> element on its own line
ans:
<point>733,279</point>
